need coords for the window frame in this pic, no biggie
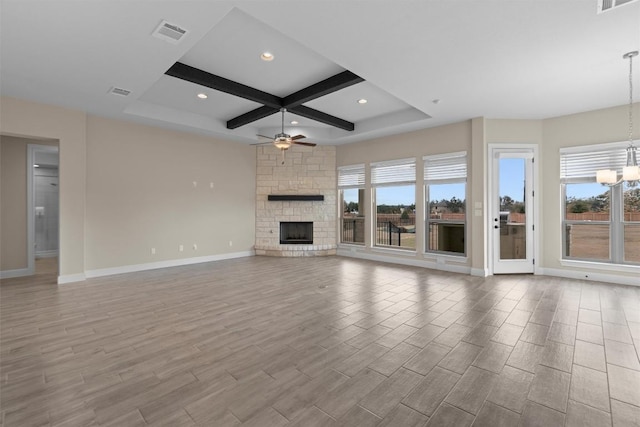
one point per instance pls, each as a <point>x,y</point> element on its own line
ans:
<point>623,225</point>
<point>386,178</point>
<point>449,168</point>
<point>566,222</point>
<point>350,177</point>
<point>588,159</point>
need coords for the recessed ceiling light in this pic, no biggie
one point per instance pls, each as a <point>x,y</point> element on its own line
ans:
<point>202,96</point>
<point>294,122</point>
<point>267,56</point>
<point>362,101</point>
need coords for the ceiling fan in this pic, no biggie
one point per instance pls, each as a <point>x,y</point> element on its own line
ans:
<point>283,141</point>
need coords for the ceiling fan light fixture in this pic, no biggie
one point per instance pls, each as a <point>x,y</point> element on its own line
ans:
<point>267,56</point>
<point>282,141</point>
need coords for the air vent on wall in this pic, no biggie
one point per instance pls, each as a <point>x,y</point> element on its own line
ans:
<point>169,32</point>
<point>607,5</point>
<point>119,91</point>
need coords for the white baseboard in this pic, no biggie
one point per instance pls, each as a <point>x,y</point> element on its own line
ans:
<point>71,278</point>
<point>47,254</point>
<point>165,264</point>
<point>19,272</point>
<point>589,275</point>
<point>480,272</point>
<point>415,262</point>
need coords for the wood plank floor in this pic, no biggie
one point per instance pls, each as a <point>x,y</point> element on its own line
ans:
<point>318,342</point>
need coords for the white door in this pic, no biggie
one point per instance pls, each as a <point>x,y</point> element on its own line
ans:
<point>512,210</point>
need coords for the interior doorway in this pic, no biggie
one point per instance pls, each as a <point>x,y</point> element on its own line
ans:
<point>43,200</point>
<point>513,206</point>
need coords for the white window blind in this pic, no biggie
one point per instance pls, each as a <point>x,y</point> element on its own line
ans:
<point>582,165</point>
<point>351,176</point>
<point>393,172</point>
<point>446,168</point>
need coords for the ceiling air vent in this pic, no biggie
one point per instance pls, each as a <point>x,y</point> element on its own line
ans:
<point>119,91</point>
<point>607,5</point>
<point>169,32</point>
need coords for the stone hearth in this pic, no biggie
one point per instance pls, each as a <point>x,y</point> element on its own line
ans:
<point>306,171</point>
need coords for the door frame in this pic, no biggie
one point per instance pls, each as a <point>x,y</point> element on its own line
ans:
<point>32,149</point>
<point>493,149</point>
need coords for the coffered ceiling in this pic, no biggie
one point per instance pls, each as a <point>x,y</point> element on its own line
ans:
<point>423,63</point>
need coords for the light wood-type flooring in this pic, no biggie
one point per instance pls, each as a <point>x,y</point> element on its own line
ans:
<point>318,342</point>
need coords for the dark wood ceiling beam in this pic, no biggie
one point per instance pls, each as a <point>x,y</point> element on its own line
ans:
<point>251,116</point>
<point>321,117</point>
<point>325,87</point>
<point>271,103</point>
<point>197,76</point>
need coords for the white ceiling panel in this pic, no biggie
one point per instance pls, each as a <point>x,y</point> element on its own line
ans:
<point>180,94</point>
<point>233,47</point>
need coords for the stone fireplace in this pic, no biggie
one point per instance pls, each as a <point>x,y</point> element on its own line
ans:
<point>301,191</point>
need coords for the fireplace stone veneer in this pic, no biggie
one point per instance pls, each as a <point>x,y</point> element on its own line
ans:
<point>308,178</point>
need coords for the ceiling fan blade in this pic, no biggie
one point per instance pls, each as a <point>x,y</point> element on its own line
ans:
<point>263,143</point>
<point>308,144</point>
<point>293,138</point>
<point>266,137</point>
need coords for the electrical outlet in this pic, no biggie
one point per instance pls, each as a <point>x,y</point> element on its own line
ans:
<point>195,184</point>
<point>230,243</point>
<point>153,251</point>
<point>211,185</point>
<point>181,248</point>
<point>195,247</point>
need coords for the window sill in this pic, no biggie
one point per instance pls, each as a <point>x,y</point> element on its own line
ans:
<point>382,249</point>
<point>351,244</point>
<point>434,256</point>
<point>623,268</point>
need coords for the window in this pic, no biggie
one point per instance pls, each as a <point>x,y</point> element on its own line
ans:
<point>631,223</point>
<point>445,179</point>
<point>394,192</point>
<point>587,221</point>
<point>351,188</point>
<point>600,223</point>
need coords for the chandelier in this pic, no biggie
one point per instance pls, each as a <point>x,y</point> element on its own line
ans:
<point>630,172</point>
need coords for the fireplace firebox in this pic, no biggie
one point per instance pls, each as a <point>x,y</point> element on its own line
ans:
<point>296,233</point>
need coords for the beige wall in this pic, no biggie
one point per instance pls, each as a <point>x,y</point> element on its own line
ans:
<point>13,201</point>
<point>437,140</point>
<point>593,127</point>
<point>13,204</point>
<point>32,120</point>
<point>125,188</point>
<point>141,195</point>
<point>477,183</point>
